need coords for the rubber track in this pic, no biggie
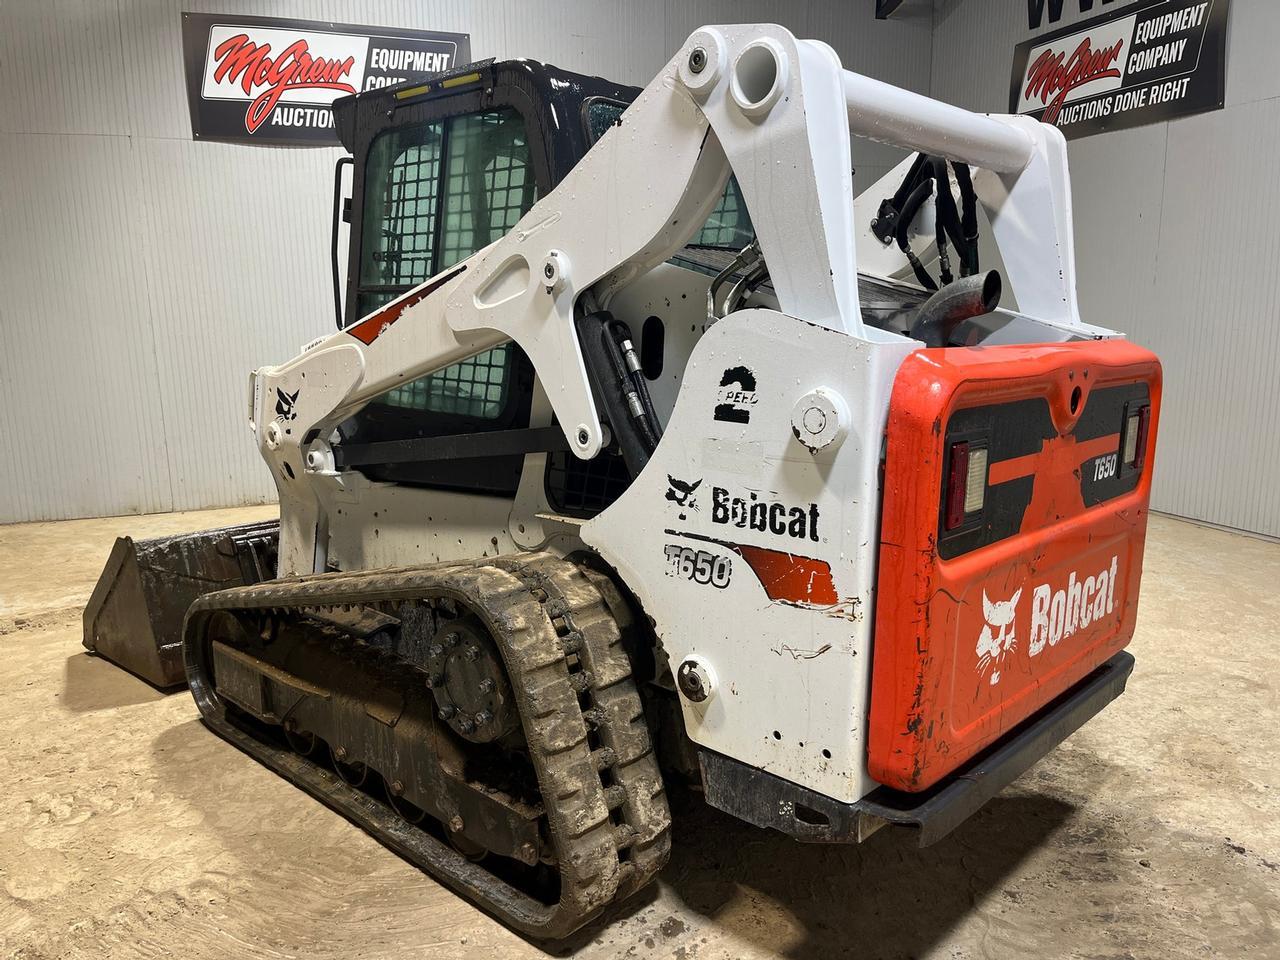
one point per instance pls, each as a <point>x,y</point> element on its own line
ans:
<point>555,625</point>
<point>589,627</point>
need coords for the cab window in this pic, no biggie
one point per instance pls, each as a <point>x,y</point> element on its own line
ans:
<point>434,194</point>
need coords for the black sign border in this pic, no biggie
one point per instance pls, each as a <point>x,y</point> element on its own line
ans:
<point>1217,20</point>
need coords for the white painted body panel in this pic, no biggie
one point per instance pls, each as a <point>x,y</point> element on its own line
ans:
<point>802,671</point>
<point>384,524</point>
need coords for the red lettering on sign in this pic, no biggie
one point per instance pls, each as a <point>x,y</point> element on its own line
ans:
<point>1053,75</point>
<point>240,59</point>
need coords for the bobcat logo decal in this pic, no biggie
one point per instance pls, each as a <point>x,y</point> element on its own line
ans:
<point>284,404</point>
<point>682,494</point>
<point>994,646</point>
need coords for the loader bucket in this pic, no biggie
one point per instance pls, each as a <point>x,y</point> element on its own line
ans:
<point>134,616</point>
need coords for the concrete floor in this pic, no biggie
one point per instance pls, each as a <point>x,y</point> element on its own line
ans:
<point>127,829</point>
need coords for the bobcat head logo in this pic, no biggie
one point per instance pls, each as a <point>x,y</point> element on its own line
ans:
<point>994,646</point>
<point>284,404</point>
<point>681,493</point>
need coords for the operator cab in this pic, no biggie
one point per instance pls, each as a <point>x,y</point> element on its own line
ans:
<point>441,169</point>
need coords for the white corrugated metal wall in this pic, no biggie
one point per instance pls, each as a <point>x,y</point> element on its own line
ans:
<point>142,275</point>
<point>1177,238</point>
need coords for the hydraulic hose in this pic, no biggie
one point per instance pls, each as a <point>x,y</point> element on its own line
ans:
<point>613,391</point>
<point>747,255</point>
<point>968,219</point>
<point>651,428</point>
<point>635,406</point>
<point>885,223</point>
<point>948,220</point>
<point>909,210</point>
<point>745,285</point>
<point>959,224</point>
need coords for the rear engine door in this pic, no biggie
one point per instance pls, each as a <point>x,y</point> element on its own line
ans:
<point>1016,487</point>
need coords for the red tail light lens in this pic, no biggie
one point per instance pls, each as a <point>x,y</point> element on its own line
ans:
<point>1135,437</point>
<point>966,483</point>
<point>957,478</point>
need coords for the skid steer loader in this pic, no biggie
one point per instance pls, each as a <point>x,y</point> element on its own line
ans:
<point>650,451</point>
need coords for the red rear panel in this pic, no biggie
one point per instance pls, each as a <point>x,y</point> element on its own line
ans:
<point>1000,591</point>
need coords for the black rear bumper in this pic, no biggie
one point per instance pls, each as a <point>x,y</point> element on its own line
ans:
<point>769,801</point>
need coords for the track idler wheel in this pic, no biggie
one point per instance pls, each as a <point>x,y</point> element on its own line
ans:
<point>469,680</point>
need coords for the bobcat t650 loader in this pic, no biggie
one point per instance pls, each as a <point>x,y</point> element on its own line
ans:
<point>651,450</point>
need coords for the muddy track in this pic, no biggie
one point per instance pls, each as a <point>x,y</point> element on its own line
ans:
<point>602,795</point>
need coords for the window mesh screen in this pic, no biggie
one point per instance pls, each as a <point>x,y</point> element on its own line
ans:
<point>488,183</point>
<point>401,202</point>
<point>583,488</point>
<point>475,387</point>
<point>413,184</point>
<point>427,211</point>
<point>729,225</point>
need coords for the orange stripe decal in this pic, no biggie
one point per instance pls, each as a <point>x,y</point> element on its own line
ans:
<point>372,327</point>
<point>788,577</point>
<point>1053,452</point>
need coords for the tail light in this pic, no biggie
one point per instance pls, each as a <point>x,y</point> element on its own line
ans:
<point>1134,448</point>
<point>966,483</point>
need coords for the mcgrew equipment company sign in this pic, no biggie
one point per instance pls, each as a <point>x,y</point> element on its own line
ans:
<point>1148,61</point>
<point>267,80</point>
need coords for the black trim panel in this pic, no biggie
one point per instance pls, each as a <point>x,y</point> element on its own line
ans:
<point>1105,415</point>
<point>463,446</point>
<point>1008,431</point>
<point>1021,428</point>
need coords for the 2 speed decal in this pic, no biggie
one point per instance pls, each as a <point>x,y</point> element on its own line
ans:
<point>736,396</point>
<point>699,566</point>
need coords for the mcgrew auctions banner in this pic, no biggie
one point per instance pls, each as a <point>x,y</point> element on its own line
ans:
<point>1147,61</point>
<point>266,80</point>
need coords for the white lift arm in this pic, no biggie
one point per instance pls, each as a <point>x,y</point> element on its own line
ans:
<point>749,99</point>
<point>777,112</point>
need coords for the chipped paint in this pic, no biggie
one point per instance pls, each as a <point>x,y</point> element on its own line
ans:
<point>799,654</point>
<point>850,608</point>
